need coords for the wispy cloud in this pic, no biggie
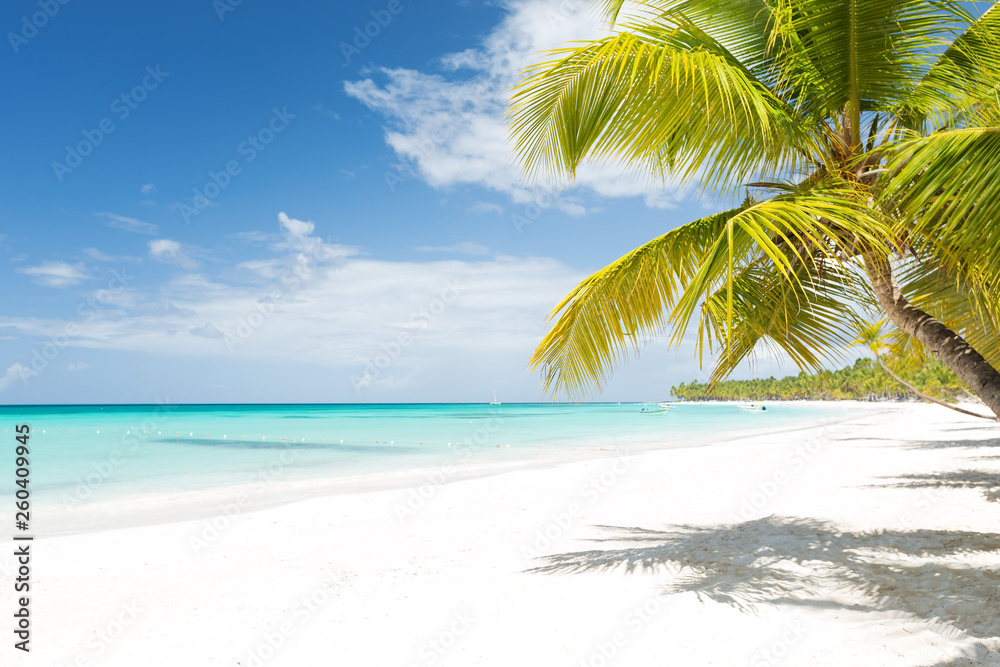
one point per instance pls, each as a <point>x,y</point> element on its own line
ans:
<point>56,274</point>
<point>464,248</point>
<point>486,207</point>
<point>170,252</point>
<point>253,237</point>
<point>323,110</point>
<point>148,188</point>
<point>298,235</point>
<point>98,256</point>
<point>207,330</point>
<point>78,366</point>
<point>345,306</point>
<point>129,224</point>
<point>13,373</point>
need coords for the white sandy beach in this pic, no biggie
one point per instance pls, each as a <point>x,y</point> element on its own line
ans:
<point>871,542</point>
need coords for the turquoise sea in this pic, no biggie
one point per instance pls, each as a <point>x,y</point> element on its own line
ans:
<point>92,453</point>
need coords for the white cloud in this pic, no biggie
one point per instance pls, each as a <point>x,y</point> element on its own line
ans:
<point>170,252</point>
<point>147,189</point>
<point>128,224</point>
<point>252,237</point>
<point>97,255</point>
<point>451,127</point>
<point>337,310</point>
<point>486,207</point>
<point>56,274</point>
<point>13,373</point>
<point>78,366</point>
<point>328,112</point>
<point>298,236</point>
<point>207,330</point>
<point>463,248</point>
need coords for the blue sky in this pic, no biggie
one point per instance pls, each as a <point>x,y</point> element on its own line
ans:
<point>179,174</point>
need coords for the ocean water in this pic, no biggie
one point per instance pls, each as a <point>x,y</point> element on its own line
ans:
<point>93,453</point>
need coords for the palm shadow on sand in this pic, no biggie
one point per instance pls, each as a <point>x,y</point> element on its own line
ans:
<point>987,482</point>
<point>985,443</point>
<point>779,560</point>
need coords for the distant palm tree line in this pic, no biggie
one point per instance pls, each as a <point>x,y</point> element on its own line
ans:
<point>864,381</point>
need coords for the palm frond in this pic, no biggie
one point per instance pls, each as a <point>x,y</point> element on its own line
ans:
<point>664,283</point>
<point>805,318</point>
<point>680,105</point>
<point>946,187</point>
<point>963,85</point>
<point>860,55</point>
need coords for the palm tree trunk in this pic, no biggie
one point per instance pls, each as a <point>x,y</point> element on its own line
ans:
<point>924,396</point>
<point>952,349</point>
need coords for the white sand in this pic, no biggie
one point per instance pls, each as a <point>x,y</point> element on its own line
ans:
<point>872,542</point>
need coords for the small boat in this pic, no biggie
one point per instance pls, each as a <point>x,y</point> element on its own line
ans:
<point>652,408</point>
<point>494,401</point>
<point>751,407</point>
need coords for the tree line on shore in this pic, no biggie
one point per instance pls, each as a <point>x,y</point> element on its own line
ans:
<point>863,381</point>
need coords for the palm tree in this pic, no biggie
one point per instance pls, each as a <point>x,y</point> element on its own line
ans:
<point>864,134</point>
<point>871,335</point>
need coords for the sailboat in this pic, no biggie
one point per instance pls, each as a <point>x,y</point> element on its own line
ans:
<point>494,401</point>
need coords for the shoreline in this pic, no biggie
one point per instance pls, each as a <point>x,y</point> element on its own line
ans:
<point>868,542</point>
<point>154,508</point>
